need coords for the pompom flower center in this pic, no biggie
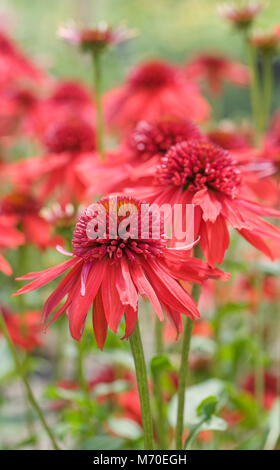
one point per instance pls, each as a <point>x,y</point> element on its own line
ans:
<point>72,135</point>
<point>195,165</point>
<point>152,75</point>
<point>149,139</point>
<point>118,226</point>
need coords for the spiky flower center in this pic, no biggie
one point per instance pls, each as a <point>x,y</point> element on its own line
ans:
<point>71,135</point>
<point>152,75</point>
<point>195,165</point>
<point>149,139</point>
<point>120,226</point>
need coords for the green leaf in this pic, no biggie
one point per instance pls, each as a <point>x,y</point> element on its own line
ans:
<point>160,364</point>
<point>207,407</point>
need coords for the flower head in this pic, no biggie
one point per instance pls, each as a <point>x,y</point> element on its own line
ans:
<point>97,38</point>
<point>111,270</point>
<point>25,211</point>
<point>266,43</point>
<point>242,16</point>
<point>71,135</point>
<point>138,156</point>
<point>205,175</point>
<point>153,90</point>
<point>270,388</point>
<point>216,69</point>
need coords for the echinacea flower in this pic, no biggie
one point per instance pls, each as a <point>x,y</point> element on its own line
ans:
<point>154,90</point>
<point>137,157</point>
<point>67,141</point>
<point>10,237</point>
<point>95,38</point>
<point>25,329</point>
<point>216,69</point>
<point>110,271</point>
<point>241,16</point>
<point>203,174</point>
<point>25,212</point>
<point>14,65</point>
<point>266,43</point>
<point>270,388</point>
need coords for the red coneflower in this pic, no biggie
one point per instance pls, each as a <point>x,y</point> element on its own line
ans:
<point>241,16</point>
<point>205,175</point>
<point>153,90</point>
<point>110,272</point>
<point>25,330</point>
<point>138,156</point>
<point>13,64</point>
<point>270,388</point>
<point>216,69</point>
<point>103,35</point>
<point>10,237</point>
<point>25,211</point>
<point>67,141</point>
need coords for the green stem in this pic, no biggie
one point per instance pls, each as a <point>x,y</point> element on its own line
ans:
<point>142,383</point>
<point>81,372</point>
<point>255,91</point>
<point>96,55</point>
<point>183,372</point>
<point>160,421</point>
<point>21,373</point>
<point>158,335</point>
<point>259,366</point>
<point>268,86</point>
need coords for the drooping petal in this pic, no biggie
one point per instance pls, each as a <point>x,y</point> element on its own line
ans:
<point>214,240</point>
<point>63,288</point>
<point>99,321</point>
<point>144,287</point>
<point>124,283</point>
<point>81,303</point>
<point>209,204</point>
<point>113,307</point>
<point>257,242</point>
<point>130,320</point>
<point>169,291</point>
<point>44,277</point>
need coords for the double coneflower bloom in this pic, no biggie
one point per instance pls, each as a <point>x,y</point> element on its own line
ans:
<point>203,174</point>
<point>110,271</point>
<point>151,91</point>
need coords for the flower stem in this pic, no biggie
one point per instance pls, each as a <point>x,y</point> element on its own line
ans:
<point>96,56</point>
<point>142,383</point>
<point>255,90</point>
<point>21,373</point>
<point>183,372</point>
<point>267,87</point>
<point>159,402</point>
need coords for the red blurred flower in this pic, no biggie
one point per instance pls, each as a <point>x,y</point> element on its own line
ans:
<point>230,138</point>
<point>13,64</point>
<point>110,273</point>
<point>25,212</point>
<point>138,156</point>
<point>216,69</point>
<point>205,175</point>
<point>270,388</point>
<point>266,43</point>
<point>67,142</point>
<point>10,237</point>
<point>25,330</point>
<point>154,90</point>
